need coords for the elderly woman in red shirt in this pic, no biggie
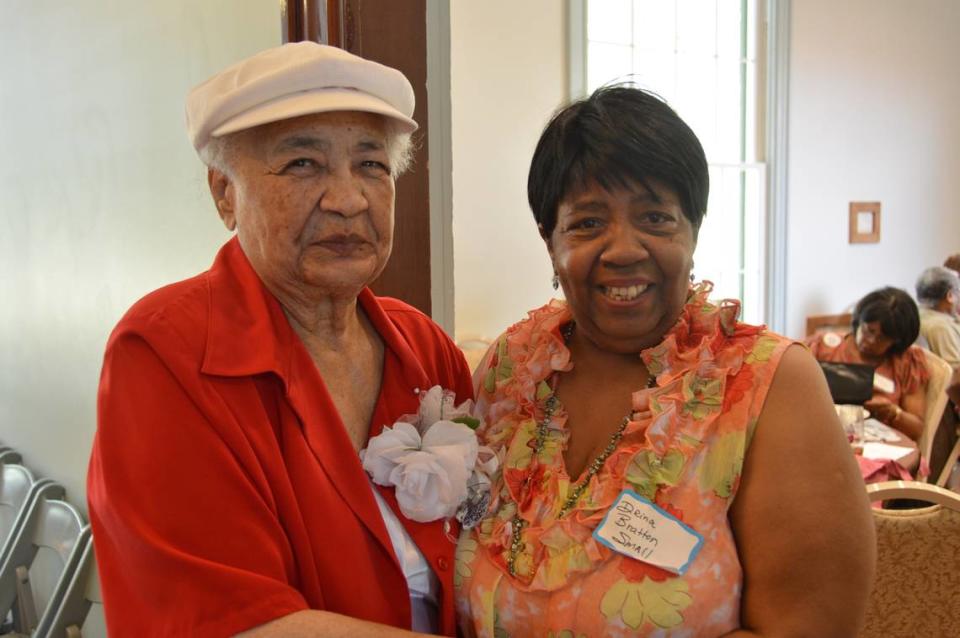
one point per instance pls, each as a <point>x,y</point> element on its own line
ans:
<point>227,486</point>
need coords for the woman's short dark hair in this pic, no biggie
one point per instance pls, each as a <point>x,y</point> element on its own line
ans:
<point>620,134</point>
<point>896,312</point>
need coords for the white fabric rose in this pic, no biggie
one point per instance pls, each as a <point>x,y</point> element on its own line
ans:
<point>382,451</point>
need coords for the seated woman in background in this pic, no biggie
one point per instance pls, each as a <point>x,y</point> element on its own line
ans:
<point>638,415</point>
<point>885,324</point>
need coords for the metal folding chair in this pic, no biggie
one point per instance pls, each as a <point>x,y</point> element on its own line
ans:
<point>18,488</point>
<point>80,612</point>
<point>9,455</point>
<point>41,561</point>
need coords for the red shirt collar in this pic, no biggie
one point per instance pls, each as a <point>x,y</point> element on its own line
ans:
<point>248,332</point>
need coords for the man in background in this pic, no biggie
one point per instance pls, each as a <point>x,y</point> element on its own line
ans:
<point>938,291</point>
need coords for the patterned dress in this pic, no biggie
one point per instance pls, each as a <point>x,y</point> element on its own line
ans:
<point>683,449</point>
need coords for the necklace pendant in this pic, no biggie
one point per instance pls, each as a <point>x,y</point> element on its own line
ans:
<point>473,509</point>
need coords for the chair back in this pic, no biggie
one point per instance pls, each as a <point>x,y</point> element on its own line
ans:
<point>9,455</point>
<point>917,587</point>
<point>940,372</point>
<point>45,551</point>
<point>80,612</point>
<point>15,484</point>
<point>18,488</point>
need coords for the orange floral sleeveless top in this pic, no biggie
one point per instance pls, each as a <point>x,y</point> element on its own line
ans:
<point>682,449</point>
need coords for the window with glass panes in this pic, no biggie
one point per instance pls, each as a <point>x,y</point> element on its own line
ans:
<point>701,57</point>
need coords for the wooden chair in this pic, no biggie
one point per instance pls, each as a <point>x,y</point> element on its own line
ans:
<point>917,587</point>
<point>940,372</point>
<point>829,323</point>
<point>948,466</point>
<point>953,392</point>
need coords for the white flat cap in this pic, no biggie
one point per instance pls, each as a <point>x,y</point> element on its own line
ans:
<point>291,80</point>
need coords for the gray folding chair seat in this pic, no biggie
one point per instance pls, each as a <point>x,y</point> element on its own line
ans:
<point>45,553</point>
<point>81,610</point>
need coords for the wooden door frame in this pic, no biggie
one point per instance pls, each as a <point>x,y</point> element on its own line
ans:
<point>316,20</point>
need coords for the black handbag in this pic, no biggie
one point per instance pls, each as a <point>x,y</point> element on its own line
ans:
<point>849,383</point>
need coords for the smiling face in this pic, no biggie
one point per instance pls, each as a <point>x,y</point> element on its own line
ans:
<point>624,259</point>
<point>312,201</point>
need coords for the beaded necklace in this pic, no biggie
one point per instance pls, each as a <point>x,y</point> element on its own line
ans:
<point>549,408</point>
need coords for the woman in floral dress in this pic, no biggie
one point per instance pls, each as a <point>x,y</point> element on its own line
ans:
<point>638,395</point>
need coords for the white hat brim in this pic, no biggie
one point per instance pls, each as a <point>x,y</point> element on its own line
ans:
<point>314,101</point>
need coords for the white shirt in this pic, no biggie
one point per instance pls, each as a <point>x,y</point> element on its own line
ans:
<point>423,584</point>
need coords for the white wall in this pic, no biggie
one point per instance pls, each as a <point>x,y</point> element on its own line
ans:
<point>874,115</point>
<point>101,196</point>
<point>508,75</point>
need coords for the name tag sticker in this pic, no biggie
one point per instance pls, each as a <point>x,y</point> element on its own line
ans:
<point>637,528</point>
<point>883,383</point>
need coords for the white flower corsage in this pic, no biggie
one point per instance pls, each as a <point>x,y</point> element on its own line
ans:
<point>433,460</point>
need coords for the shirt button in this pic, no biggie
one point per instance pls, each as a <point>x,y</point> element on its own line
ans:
<point>443,564</point>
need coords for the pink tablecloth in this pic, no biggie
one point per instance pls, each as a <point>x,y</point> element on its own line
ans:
<point>875,470</point>
<point>878,470</point>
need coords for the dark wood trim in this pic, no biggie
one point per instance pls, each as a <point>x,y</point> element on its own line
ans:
<point>315,20</point>
<point>334,25</point>
<point>312,29</point>
<point>291,20</point>
<point>395,33</point>
<point>349,26</point>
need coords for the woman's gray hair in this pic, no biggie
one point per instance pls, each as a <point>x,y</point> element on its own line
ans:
<point>220,151</point>
<point>216,153</point>
<point>934,284</point>
<point>399,149</point>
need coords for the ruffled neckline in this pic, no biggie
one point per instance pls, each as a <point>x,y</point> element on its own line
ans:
<point>691,365</point>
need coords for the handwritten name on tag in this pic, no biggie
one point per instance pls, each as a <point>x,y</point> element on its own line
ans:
<point>637,528</point>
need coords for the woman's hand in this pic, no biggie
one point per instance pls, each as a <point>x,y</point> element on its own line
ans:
<point>801,517</point>
<point>907,418</point>
<point>883,410</point>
